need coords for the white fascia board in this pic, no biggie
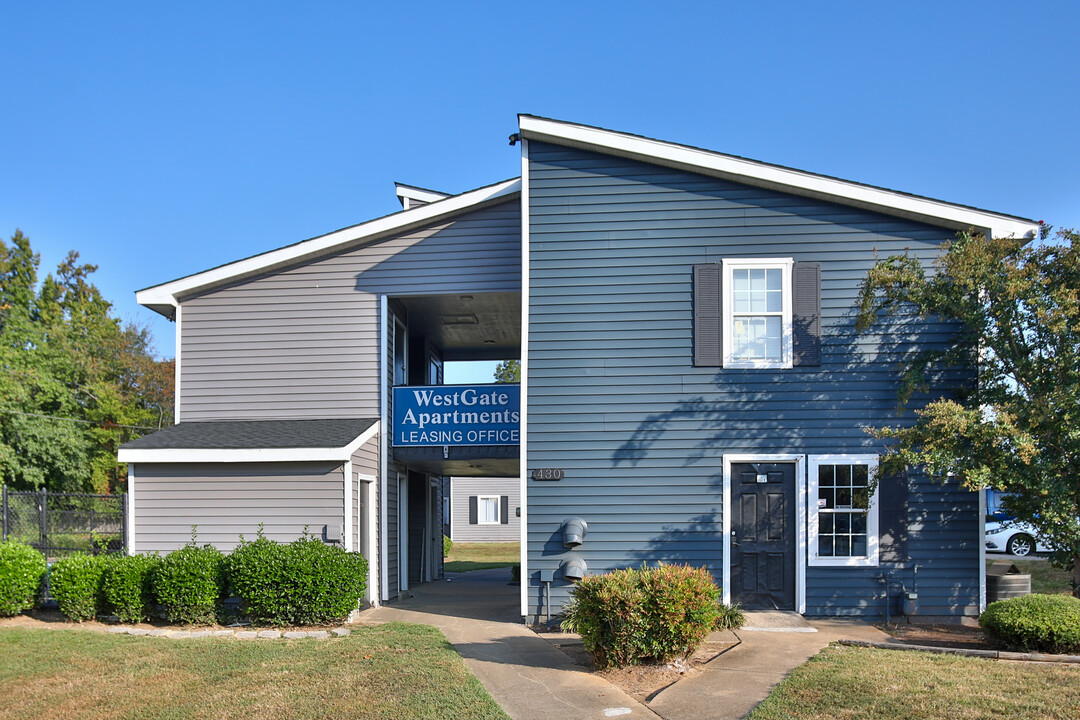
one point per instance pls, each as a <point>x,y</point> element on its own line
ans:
<point>362,438</point>
<point>414,193</point>
<point>770,176</point>
<point>168,293</point>
<point>245,455</point>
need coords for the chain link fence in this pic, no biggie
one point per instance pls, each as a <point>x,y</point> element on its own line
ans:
<point>59,524</point>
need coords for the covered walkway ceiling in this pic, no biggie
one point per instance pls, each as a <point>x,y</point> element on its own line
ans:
<point>477,326</point>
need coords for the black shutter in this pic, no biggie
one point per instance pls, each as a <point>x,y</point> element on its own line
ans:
<point>893,518</point>
<point>474,515</point>
<point>806,312</point>
<point>708,340</point>
<point>504,509</point>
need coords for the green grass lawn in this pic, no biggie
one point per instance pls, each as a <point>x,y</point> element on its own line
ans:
<point>868,684</point>
<point>464,557</point>
<point>386,671</point>
<point>1044,577</point>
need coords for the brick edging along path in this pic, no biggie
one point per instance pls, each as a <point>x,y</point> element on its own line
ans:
<point>239,633</point>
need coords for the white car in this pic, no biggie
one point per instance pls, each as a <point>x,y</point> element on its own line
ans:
<point>1015,538</point>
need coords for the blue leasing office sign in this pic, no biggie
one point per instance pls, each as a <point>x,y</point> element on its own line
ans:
<point>438,415</point>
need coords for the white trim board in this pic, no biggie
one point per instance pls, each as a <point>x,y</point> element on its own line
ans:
<point>166,295</point>
<point>177,315</point>
<point>130,539</point>
<point>981,539</point>
<point>347,531</point>
<point>523,431</point>
<point>800,521</point>
<point>760,174</point>
<point>240,455</point>
<point>384,533</point>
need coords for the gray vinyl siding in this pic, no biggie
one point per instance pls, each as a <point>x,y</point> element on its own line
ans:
<point>224,500</point>
<point>615,401</point>
<point>460,490</point>
<point>303,342</point>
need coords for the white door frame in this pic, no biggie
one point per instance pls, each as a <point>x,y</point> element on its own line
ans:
<point>800,520</point>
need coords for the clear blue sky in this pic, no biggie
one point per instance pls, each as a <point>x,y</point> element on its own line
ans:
<point>160,141</point>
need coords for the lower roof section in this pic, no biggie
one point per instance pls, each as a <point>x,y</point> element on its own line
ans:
<point>253,441</point>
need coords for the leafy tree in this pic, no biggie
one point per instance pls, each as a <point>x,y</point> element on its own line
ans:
<point>1016,426</point>
<point>508,371</point>
<point>74,382</point>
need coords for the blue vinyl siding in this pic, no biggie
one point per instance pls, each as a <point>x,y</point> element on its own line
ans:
<point>615,401</point>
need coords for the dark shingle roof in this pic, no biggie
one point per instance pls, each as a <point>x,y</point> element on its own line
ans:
<point>254,435</point>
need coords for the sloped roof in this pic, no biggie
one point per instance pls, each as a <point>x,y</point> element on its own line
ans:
<point>252,440</point>
<point>164,298</point>
<point>775,177</point>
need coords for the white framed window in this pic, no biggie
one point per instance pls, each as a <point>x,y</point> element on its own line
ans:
<point>757,313</point>
<point>487,509</point>
<point>842,515</point>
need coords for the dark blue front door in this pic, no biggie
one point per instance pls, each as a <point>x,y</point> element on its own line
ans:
<point>763,535</point>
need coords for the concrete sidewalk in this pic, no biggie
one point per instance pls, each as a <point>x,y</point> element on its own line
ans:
<point>733,684</point>
<point>533,680</point>
<point>530,679</point>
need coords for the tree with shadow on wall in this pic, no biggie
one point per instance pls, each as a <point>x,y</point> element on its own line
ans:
<point>1018,304</point>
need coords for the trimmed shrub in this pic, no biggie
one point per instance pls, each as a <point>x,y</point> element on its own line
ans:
<point>1035,623</point>
<point>21,570</point>
<point>190,584</point>
<point>306,582</point>
<point>626,617</point>
<point>255,571</point>
<point>324,583</point>
<point>447,545</point>
<point>127,586</point>
<point>75,584</point>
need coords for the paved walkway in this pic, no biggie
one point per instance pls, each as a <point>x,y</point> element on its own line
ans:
<point>733,684</point>
<point>532,680</point>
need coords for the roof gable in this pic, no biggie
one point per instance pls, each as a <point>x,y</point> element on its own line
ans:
<point>774,177</point>
<point>165,297</point>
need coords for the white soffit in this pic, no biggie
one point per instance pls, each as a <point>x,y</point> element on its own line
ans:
<point>166,295</point>
<point>752,172</point>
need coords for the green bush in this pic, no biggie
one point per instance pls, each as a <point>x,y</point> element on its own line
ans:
<point>646,615</point>
<point>127,586</point>
<point>324,582</point>
<point>447,544</point>
<point>1035,623</point>
<point>75,584</point>
<point>255,571</point>
<point>190,584</point>
<point>306,582</point>
<point>21,570</point>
